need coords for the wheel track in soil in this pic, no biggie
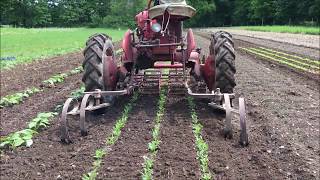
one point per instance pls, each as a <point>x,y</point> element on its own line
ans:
<point>283,136</point>
<point>48,158</point>
<point>125,158</point>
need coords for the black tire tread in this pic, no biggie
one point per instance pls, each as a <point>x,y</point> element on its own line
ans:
<point>223,47</point>
<point>92,64</point>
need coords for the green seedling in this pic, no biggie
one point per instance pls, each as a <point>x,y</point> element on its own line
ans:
<point>201,145</point>
<point>55,79</point>
<point>77,70</point>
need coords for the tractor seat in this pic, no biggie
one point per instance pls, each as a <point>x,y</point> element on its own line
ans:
<point>178,9</point>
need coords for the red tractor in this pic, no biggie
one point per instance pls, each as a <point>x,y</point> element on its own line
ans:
<point>158,43</point>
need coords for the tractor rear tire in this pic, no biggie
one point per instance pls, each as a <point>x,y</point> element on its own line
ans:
<point>222,47</point>
<point>92,64</point>
<point>93,67</point>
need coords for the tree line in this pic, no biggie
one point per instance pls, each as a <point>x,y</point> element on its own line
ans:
<point>120,13</point>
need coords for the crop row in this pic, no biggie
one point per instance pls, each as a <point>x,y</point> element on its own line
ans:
<point>153,146</point>
<point>24,137</point>
<point>293,61</point>
<point>110,140</point>
<point>201,145</point>
<point>19,97</point>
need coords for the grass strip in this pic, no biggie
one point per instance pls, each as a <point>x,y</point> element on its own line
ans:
<point>285,59</point>
<point>279,61</point>
<point>24,137</point>
<point>18,98</point>
<point>153,146</point>
<point>26,45</point>
<point>316,62</point>
<point>201,145</point>
<point>110,140</point>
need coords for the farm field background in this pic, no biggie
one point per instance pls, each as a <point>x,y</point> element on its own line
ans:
<point>22,45</point>
<point>313,30</point>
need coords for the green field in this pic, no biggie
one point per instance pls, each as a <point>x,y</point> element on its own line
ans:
<point>284,29</point>
<point>21,45</point>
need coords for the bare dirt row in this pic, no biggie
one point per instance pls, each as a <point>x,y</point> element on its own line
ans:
<point>283,132</point>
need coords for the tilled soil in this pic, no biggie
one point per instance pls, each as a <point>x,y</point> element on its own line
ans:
<point>48,158</point>
<point>16,118</point>
<point>24,76</point>
<point>125,159</point>
<point>176,158</point>
<point>283,122</point>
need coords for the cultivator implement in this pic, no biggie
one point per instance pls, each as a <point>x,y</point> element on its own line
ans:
<point>160,39</point>
<point>151,82</point>
<point>175,82</point>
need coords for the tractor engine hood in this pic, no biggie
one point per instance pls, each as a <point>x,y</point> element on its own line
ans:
<point>178,9</point>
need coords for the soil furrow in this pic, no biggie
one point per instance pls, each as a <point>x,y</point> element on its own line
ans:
<point>125,159</point>
<point>48,158</point>
<point>24,76</point>
<point>16,117</point>
<point>176,158</point>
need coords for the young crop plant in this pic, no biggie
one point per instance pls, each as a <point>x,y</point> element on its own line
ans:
<point>110,140</point>
<point>17,98</point>
<point>55,79</point>
<point>201,145</point>
<point>76,70</point>
<point>153,146</point>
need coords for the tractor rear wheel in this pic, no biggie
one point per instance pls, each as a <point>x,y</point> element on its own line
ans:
<point>92,64</point>
<point>223,48</point>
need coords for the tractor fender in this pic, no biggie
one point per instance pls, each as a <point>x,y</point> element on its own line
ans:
<point>208,72</point>
<point>191,44</point>
<point>110,73</point>
<point>129,51</point>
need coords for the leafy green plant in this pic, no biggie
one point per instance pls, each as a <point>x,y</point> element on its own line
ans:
<point>42,120</point>
<point>201,145</point>
<point>147,168</point>
<point>76,70</point>
<point>17,139</point>
<point>17,98</point>
<point>55,79</point>
<point>25,136</point>
<point>78,93</point>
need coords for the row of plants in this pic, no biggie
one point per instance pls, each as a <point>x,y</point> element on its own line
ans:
<point>42,120</point>
<point>280,61</point>
<point>19,97</point>
<point>306,64</point>
<point>110,140</point>
<point>153,146</point>
<point>311,61</point>
<point>201,145</point>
